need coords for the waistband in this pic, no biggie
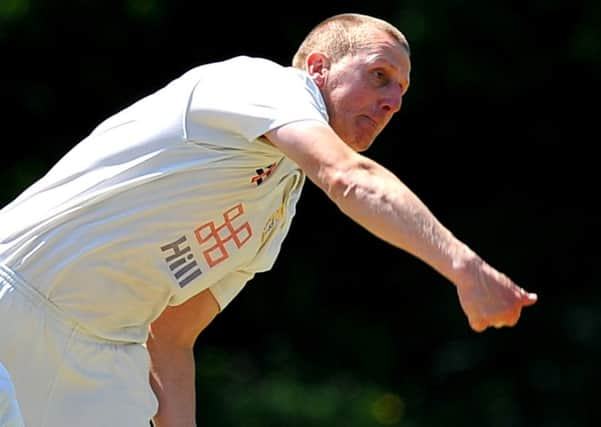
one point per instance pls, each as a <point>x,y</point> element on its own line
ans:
<point>14,279</point>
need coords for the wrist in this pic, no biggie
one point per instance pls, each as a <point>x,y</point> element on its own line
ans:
<point>464,263</point>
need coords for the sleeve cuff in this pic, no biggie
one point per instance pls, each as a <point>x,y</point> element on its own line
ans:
<point>227,288</point>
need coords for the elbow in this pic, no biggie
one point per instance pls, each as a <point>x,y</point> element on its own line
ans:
<point>339,187</point>
<point>159,341</point>
<point>344,184</point>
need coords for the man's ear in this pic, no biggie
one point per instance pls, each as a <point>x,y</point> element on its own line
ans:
<point>318,66</point>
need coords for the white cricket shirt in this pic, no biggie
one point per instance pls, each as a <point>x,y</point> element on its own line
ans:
<point>173,195</point>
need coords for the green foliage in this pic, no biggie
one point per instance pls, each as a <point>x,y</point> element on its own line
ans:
<point>234,392</point>
<point>150,10</point>
<point>13,10</point>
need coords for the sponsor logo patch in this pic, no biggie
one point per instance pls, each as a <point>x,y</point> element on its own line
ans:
<point>262,174</point>
<point>219,235</point>
<point>216,241</point>
<point>181,262</point>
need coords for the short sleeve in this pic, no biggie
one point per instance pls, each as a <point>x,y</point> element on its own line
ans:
<point>227,288</point>
<point>250,96</point>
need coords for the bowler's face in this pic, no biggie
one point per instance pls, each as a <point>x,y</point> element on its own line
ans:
<point>363,91</point>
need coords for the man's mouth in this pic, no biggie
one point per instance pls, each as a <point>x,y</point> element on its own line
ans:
<point>370,122</point>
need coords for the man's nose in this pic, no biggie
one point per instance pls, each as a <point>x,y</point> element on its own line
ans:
<point>393,101</point>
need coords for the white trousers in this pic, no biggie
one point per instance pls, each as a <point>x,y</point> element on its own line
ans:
<point>64,377</point>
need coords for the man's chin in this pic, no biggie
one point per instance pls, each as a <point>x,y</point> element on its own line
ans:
<point>358,144</point>
<point>361,146</point>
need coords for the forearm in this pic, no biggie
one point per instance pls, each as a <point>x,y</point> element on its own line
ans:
<point>377,200</point>
<point>170,344</point>
<point>381,203</point>
<point>172,379</point>
<point>372,196</point>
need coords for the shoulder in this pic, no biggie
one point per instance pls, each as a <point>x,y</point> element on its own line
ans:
<point>241,64</point>
<point>247,75</point>
<point>249,63</point>
<point>245,68</point>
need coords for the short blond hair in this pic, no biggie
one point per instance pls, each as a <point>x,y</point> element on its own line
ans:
<point>343,34</point>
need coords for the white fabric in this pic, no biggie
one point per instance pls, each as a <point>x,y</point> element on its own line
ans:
<point>10,412</point>
<point>64,377</point>
<point>173,195</point>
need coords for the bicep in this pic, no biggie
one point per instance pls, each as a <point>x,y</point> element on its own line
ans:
<point>180,325</point>
<point>316,148</point>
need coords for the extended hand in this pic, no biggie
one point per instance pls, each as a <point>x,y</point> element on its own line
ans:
<point>489,298</point>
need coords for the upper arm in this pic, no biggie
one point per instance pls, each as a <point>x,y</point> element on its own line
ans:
<point>316,148</point>
<point>181,324</point>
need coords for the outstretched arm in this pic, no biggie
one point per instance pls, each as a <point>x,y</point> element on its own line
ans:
<point>377,200</point>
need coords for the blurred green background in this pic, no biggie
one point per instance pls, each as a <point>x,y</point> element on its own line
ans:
<point>496,135</point>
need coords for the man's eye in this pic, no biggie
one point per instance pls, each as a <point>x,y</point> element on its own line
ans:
<point>380,77</point>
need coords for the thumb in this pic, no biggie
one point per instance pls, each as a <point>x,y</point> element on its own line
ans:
<point>529,298</point>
